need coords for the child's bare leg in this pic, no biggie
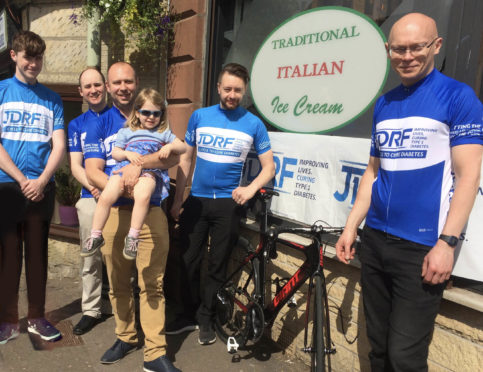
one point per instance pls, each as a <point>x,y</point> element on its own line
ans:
<point>142,192</point>
<point>108,197</point>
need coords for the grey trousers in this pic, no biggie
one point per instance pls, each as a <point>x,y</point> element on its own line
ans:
<point>92,281</point>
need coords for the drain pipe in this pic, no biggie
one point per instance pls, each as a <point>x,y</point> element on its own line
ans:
<point>94,40</point>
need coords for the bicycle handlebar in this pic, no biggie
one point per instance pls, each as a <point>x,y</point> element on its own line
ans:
<point>313,231</point>
<point>266,193</point>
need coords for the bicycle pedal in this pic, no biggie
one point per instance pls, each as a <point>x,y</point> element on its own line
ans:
<point>231,345</point>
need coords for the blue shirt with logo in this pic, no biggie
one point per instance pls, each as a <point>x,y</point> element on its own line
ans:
<point>413,132</point>
<point>29,115</point>
<point>101,137</point>
<point>100,141</point>
<point>223,139</point>
<point>77,131</point>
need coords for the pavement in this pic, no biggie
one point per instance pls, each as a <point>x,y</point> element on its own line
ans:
<point>82,353</point>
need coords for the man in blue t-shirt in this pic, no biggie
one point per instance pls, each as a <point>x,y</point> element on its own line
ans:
<point>416,196</point>
<point>153,247</point>
<point>32,145</point>
<point>222,136</point>
<point>92,88</point>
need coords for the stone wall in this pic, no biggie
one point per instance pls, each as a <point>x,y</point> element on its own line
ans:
<point>64,259</point>
<point>66,53</point>
<point>457,343</point>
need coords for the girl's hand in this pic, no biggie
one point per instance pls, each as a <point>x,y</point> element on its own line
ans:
<point>95,192</point>
<point>165,151</point>
<point>134,157</point>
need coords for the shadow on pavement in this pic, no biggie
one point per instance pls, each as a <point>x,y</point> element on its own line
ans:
<point>174,344</point>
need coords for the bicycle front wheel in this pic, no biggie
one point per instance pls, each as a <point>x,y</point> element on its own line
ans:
<point>237,314</point>
<point>318,325</point>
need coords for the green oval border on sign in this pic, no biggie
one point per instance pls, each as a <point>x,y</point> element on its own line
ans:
<point>301,14</point>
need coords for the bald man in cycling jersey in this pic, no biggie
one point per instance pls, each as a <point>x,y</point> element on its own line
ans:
<point>423,130</point>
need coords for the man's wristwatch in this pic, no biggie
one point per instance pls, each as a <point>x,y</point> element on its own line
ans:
<point>451,240</point>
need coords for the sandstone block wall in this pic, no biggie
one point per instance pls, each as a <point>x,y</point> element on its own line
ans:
<point>457,343</point>
<point>65,55</point>
<point>64,259</point>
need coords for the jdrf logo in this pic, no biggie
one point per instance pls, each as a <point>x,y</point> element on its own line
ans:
<point>393,138</point>
<point>220,141</point>
<point>284,168</point>
<point>354,172</point>
<point>24,117</point>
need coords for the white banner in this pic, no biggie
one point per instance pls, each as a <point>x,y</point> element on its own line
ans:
<point>317,177</point>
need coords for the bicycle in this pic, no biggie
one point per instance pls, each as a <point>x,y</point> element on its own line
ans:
<point>242,308</point>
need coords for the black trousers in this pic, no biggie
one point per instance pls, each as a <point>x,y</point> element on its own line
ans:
<point>202,217</point>
<point>24,227</point>
<point>399,308</point>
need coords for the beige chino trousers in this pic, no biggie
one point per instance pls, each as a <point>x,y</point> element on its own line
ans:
<point>151,263</point>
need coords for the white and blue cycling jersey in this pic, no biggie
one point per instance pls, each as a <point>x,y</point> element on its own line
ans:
<point>413,131</point>
<point>223,139</point>
<point>29,115</point>
<point>77,131</point>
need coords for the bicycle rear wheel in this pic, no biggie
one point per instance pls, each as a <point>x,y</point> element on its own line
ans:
<point>318,327</point>
<point>238,314</point>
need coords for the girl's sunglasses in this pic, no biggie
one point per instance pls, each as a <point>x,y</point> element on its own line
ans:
<point>148,113</point>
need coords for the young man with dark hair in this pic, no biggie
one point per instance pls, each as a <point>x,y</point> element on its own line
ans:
<point>92,88</point>
<point>32,145</point>
<point>222,135</point>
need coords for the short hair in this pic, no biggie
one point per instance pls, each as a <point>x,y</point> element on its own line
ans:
<point>29,42</point>
<point>125,64</point>
<point>92,68</point>
<point>236,70</point>
<point>152,95</point>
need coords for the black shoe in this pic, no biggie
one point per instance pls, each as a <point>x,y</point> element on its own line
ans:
<point>180,325</point>
<point>207,335</point>
<point>117,351</point>
<point>161,364</point>
<point>86,323</point>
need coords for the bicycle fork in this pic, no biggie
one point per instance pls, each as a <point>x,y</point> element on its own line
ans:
<point>310,349</point>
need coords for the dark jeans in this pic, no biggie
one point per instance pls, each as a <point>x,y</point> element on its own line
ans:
<point>24,227</point>
<point>399,308</point>
<point>202,217</point>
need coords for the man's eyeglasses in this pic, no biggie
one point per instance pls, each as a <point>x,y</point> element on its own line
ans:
<point>148,113</point>
<point>414,50</point>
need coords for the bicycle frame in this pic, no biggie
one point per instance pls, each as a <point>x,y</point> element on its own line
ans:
<point>266,248</point>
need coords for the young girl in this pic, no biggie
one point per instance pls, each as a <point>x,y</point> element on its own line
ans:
<point>146,132</point>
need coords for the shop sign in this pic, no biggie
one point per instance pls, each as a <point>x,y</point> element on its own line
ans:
<point>319,70</point>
